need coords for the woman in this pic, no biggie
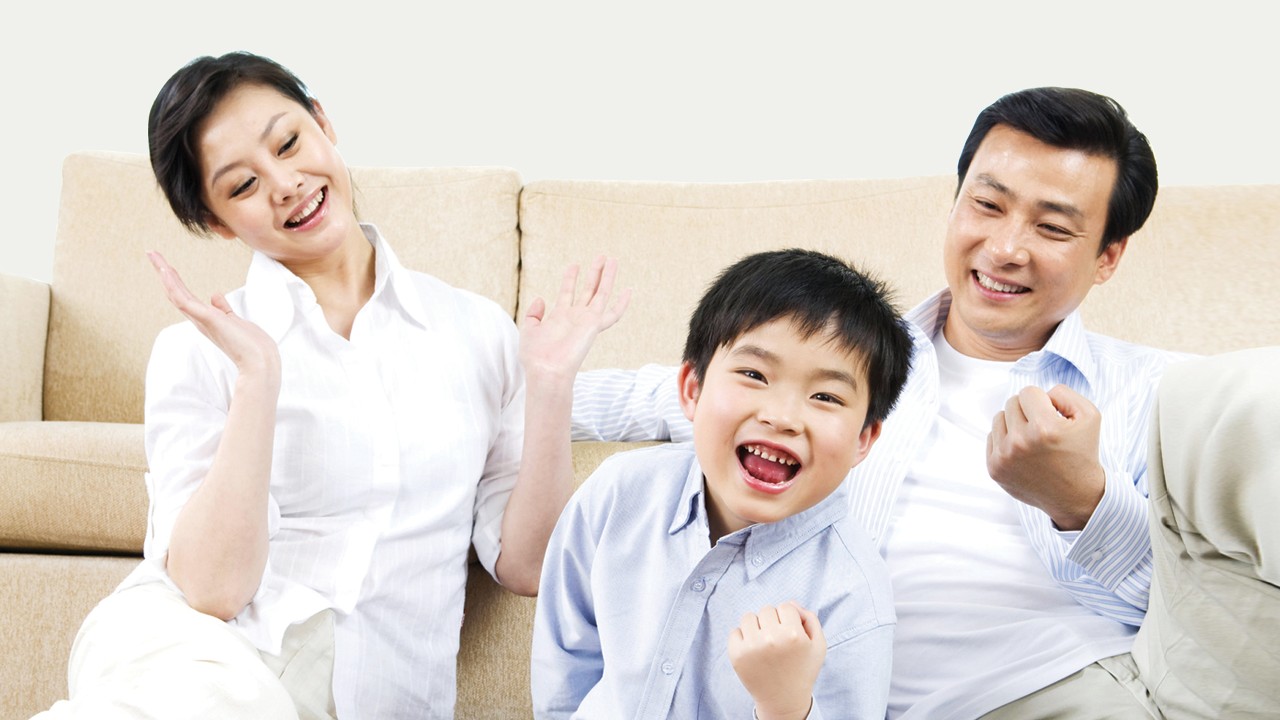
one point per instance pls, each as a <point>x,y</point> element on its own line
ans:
<point>325,443</point>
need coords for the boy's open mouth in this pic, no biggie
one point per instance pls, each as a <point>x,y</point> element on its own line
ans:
<point>769,466</point>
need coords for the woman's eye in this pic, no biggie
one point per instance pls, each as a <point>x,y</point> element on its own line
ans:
<point>293,139</point>
<point>242,188</point>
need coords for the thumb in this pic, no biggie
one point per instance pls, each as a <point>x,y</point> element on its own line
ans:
<point>537,309</point>
<point>1069,403</point>
<point>809,620</point>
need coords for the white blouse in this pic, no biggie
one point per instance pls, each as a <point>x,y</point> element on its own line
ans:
<point>394,452</point>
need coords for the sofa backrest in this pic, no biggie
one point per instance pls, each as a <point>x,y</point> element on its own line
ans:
<point>1200,277</point>
<point>107,306</point>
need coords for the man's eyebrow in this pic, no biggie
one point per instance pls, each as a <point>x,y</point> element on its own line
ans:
<point>261,138</point>
<point>1064,208</point>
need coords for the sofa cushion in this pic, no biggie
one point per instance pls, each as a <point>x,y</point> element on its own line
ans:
<point>73,486</point>
<point>43,600</point>
<point>456,223</point>
<point>672,239</point>
<point>1194,279</point>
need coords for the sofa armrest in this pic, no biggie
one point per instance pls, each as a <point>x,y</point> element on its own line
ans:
<point>24,325</point>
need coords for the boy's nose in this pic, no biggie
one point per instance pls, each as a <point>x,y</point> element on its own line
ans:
<point>782,416</point>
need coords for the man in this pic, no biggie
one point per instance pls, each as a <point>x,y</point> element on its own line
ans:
<point>1018,597</point>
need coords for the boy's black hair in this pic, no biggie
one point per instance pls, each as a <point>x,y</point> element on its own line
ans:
<point>180,109</point>
<point>1074,119</point>
<point>820,294</point>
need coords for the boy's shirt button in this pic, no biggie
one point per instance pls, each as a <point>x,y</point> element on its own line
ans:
<point>699,585</point>
<point>757,560</point>
<point>668,667</point>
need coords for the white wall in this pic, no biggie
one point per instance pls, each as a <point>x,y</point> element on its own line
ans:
<point>653,90</point>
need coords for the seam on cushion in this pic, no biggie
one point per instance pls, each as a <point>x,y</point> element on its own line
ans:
<point>72,461</point>
<point>602,201</point>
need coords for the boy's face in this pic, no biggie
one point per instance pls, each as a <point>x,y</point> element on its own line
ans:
<point>777,424</point>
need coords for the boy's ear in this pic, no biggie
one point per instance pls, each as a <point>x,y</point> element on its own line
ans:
<point>690,389</point>
<point>866,439</point>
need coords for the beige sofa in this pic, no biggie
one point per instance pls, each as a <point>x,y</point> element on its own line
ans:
<point>1200,277</point>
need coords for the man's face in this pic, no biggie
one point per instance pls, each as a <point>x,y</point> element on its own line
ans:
<point>777,424</point>
<point>1022,243</point>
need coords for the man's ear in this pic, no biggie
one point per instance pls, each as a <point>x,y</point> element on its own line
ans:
<point>323,121</point>
<point>1109,259</point>
<point>866,439</point>
<point>690,389</point>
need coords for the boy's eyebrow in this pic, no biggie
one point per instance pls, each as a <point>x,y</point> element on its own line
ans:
<point>261,138</point>
<point>820,374</point>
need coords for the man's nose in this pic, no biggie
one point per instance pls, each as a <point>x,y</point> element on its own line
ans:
<point>1008,245</point>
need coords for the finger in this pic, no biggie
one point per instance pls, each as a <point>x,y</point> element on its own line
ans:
<point>594,277</point>
<point>537,310</point>
<point>999,427</point>
<point>812,626</point>
<point>175,290</point>
<point>567,283</point>
<point>603,288</point>
<point>219,301</point>
<point>1014,416</point>
<point>1037,406</point>
<point>749,625</point>
<point>614,314</point>
<point>1069,403</point>
<point>789,614</point>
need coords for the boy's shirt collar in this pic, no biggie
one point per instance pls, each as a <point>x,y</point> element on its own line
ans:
<point>763,543</point>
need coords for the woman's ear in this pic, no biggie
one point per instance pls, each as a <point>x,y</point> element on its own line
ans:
<point>690,389</point>
<point>322,120</point>
<point>218,228</point>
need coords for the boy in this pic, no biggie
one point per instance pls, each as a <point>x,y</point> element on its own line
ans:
<point>713,580</point>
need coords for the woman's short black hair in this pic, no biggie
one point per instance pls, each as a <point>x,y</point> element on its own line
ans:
<point>182,106</point>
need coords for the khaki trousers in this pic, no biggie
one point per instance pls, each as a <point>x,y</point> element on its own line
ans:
<point>1210,644</point>
<point>144,653</point>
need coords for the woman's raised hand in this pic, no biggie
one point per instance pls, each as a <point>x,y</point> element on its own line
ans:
<point>556,340</point>
<point>248,346</point>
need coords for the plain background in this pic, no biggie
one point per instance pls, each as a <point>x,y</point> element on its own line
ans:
<point>659,90</point>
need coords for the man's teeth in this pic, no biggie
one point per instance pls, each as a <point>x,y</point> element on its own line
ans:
<point>757,450</point>
<point>310,208</point>
<point>990,284</point>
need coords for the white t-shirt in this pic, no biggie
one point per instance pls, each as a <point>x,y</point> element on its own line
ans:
<point>394,452</point>
<point>976,608</point>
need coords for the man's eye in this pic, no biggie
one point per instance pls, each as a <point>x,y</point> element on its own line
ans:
<point>293,139</point>
<point>242,188</point>
<point>1055,230</point>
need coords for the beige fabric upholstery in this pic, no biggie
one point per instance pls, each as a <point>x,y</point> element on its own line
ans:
<point>44,598</point>
<point>1201,276</point>
<point>457,223</point>
<point>24,325</point>
<point>672,239</point>
<point>73,486</point>
<point>1210,646</point>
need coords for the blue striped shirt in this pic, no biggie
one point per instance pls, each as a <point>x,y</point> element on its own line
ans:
<point>1106,566</point>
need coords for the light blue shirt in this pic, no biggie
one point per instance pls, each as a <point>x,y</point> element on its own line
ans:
<point>636,606</point>
<point>1106,566</point>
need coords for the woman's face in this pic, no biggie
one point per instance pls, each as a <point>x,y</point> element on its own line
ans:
<point>272,176</point>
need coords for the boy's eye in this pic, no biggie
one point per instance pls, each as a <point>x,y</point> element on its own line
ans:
<point>828,398</point>
<point>288,145</point>
<point>753,374</point>
<point>242,188</point>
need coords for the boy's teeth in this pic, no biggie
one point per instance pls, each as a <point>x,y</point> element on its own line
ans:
<point>757,450</point>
